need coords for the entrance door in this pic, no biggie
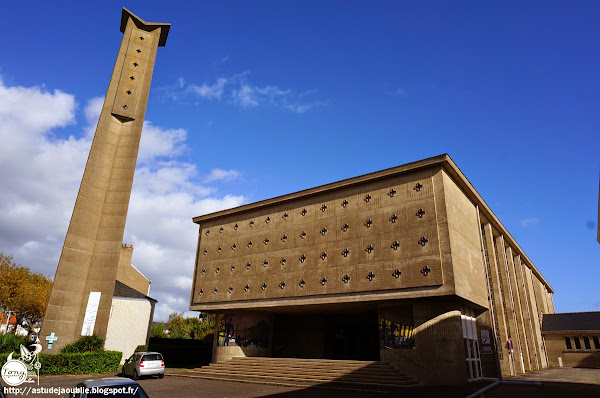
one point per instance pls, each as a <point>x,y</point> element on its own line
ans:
<point>352,336</point>
<point>327,335</point>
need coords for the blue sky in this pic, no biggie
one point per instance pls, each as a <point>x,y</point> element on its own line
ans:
<point>251,100</point>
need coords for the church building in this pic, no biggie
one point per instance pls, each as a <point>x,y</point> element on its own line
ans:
<point>406,265</point>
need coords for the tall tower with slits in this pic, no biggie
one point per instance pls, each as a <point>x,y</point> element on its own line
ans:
<point>80,302</point>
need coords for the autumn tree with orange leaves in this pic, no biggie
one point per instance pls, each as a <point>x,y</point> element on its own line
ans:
<point>23,293</point>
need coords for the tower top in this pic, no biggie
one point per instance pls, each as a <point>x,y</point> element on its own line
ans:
<point>147,26</point>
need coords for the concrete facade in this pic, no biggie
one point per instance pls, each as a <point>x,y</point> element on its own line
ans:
<point>90,255</point>
<point>414,246</point>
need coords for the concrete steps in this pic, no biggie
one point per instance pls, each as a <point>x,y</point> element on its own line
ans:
<point>322,373</point>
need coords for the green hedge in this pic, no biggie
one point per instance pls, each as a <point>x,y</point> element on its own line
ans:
<point>84,344</point>
<point>76,363</point>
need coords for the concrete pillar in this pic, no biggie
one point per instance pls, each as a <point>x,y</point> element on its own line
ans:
<point>526,362</point>
<point>509,300</point>
<point>90,254</point>
<point>550,303</point>
<point>525,308</point>
<point>499,302</point>
<point>535,317</point>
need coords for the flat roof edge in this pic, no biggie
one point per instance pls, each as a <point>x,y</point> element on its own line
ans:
<point>429,162</point>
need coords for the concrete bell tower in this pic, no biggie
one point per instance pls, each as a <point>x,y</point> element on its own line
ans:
<point>84,283</point>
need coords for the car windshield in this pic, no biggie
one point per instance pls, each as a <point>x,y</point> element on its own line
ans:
<point>130,391</point>
<point>152,357</point>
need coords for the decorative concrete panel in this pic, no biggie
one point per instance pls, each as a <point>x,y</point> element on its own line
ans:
<point>382,235</point>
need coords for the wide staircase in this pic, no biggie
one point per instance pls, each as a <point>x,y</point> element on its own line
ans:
<point>294,372</point>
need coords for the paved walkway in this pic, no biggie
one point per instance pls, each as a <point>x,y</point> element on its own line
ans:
<point>566,375</point>
<point>557,382</point>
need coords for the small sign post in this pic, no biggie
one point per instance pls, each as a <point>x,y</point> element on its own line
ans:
<point>51,339</point>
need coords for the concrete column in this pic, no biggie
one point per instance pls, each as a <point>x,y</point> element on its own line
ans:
<point>525,308</point>
<point>511,314</point>
<point>535,317</point>
<point>550,303</point>
<point>540,295</point>
<point>90,254</point>
<point>526,362</point>
<point>501,332</point>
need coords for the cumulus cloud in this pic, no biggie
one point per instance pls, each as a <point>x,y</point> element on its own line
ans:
<point>529,222</point>
<point>41,176</point>
<point>238,90</point>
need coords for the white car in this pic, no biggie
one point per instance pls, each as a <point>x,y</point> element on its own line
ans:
<point>144,364</point>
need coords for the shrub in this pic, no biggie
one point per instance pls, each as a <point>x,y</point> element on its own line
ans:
<point>141,348</point>
<point>158,331</point>
<point>11,342</point>
<point>77,363</point>
<point>85,344</point>
<point>208,337</point>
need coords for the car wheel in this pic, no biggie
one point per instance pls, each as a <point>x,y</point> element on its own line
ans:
<point>135,375</point>
<point>160,376</point>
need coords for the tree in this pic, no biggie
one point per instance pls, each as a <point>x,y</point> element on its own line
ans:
<point>158,331</point>
<point>22,292</point>
<point>198,328</point>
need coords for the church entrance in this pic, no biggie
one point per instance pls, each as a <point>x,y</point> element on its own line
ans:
<point>326,336</point>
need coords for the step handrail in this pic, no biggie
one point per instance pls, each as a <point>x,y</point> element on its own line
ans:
<point>406,356</point>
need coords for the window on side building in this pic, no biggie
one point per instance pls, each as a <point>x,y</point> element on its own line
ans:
<point>577,343</point>
<point>568,343</point>
<point>586,343</point>
<point>597,342</point>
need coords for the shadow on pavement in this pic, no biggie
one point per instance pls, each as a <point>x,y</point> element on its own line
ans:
<point>547,390</point>
<point>419,391</point>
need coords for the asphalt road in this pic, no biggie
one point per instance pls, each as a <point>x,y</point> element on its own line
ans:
<point>555,383</point>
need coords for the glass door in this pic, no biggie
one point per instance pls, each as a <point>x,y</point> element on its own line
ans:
<point>471,343</point>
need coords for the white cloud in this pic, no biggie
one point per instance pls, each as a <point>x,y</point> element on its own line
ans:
<point>222,175</point>
<point>41,176</point>
<point>157,142</point>
<point>245,96</point>
<point>213,91</point>
<point>529,221</point>
<point>399,92</point>
<point>93,109</point>
<point>238,90</point>
<point>34,108</point>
